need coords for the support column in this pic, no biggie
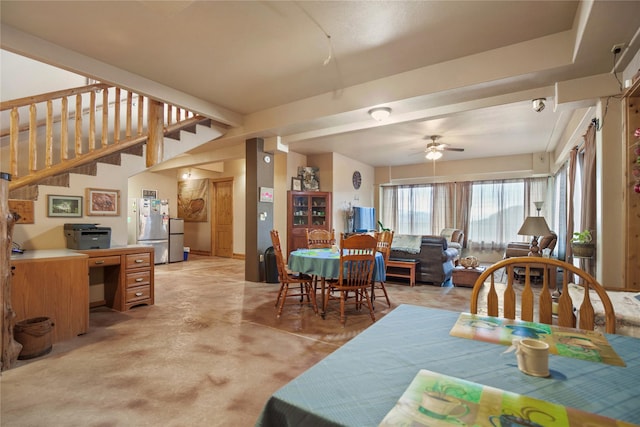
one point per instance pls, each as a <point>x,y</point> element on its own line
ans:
<point>259,215</point>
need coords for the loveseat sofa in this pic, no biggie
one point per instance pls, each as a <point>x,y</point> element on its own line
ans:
<point>435,257</point>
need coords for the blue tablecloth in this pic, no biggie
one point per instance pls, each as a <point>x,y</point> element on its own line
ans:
<point>325,263</point>
<point>358,384</point>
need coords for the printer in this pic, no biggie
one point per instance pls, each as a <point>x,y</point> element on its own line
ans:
<point>87,236</point>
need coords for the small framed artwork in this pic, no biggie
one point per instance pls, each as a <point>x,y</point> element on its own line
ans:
<point>149,194</point>
<point>64,206</point>
<point>296,184</point>
<point>266,194</point>
<point>101,202</point>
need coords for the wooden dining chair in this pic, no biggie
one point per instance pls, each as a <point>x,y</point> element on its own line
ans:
<point>550,269</point>
<point>383,245</point>
<point>357,263</point>
<point>287,279</point>
<point>319,239</point>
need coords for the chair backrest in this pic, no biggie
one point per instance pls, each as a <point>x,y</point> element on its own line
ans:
<point>550,268</point>
<point>318,238</point>
<point>384,240</point>
<point>277,250</point>
<point>548,242</point>
<point>357,260</point>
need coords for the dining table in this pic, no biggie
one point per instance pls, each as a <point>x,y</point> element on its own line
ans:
<point>325,263</point>
<point>362,381</point>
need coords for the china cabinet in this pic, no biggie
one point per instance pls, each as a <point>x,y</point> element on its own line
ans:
<point>310,209</point>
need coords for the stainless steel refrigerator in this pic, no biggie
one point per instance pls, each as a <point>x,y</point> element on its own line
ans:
<point>149,225</point>
<point>176,239</point>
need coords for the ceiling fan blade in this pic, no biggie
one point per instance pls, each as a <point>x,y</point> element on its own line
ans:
<point>452,149</point>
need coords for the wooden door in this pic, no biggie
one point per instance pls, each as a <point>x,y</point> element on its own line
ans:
<point>222,218</point>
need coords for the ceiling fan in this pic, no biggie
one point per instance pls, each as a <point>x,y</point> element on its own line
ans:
<point>434,149</point>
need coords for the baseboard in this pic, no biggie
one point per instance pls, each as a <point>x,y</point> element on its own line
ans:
<point>99,303</point>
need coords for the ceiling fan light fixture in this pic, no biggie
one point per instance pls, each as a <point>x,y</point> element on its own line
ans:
<point>380,113</point>
<point>433,154</point>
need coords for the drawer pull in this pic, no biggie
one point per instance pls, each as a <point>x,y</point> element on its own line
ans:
<point>139,279</point>
<point>139,261</point>
<point>99,262</point>
<point>139,294</point>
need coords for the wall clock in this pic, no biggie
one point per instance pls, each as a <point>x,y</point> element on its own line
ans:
<point>356,179</point>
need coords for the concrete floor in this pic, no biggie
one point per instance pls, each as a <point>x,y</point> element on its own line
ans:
<point>208,353</point>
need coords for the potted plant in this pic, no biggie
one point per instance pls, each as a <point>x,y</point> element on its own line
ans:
<point>582,244</point>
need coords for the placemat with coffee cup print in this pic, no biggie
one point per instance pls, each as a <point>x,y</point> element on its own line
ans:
<point>434,399</point>
<point>568,342</point>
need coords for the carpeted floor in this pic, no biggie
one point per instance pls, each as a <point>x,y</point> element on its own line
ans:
<point>208,353</point>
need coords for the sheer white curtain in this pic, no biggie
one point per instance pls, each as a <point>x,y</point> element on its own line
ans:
<point>497,212</point>
<point>493,210</point>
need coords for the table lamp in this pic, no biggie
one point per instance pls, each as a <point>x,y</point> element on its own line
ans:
<point>534,226</point>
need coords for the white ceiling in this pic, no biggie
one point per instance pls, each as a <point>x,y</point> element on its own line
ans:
<point>466,70</point>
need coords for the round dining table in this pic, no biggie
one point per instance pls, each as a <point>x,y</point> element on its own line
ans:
<point>325,263</point>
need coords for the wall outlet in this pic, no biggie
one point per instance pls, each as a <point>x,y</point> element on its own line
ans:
<point>261,258</point>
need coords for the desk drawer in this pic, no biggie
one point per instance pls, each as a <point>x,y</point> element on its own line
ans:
<point>104,260</point>
<point>138,294</point>
<point>139,260</point>
<point>138,278</point>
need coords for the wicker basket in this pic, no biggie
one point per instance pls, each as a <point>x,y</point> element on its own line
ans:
<point>583,250</point>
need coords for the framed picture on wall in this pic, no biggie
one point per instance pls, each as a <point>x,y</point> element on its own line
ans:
<point>64,206</point>
<point>101,202</point>
<point>266,194</point>
<point>296,184</point>
<point>149,194</point>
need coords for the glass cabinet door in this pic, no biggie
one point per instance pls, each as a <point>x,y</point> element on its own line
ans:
<point>318,210</point>
<point>301,211</point>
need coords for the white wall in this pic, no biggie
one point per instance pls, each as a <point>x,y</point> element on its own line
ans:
<point>48,233</point>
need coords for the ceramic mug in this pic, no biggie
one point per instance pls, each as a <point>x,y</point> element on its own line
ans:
<point>533,356</point>
<point>442,406</point>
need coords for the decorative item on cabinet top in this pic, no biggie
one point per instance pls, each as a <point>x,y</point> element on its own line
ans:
<point>309,176</point>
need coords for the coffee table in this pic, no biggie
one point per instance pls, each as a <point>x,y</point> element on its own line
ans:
<point>466,276</point>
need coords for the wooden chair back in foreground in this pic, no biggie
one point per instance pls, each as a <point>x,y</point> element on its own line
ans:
<point>287,279</point>
<point>319,239</point>
<point>384,239</point>
<point>550,267</point>
<point>357,262</point>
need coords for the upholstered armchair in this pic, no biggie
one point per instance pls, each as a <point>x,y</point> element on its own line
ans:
<point>522,248</point>
<point>454,236</point>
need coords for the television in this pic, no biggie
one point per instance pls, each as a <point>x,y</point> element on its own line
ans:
<point>364,219</point>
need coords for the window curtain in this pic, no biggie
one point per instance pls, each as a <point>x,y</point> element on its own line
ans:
<point>571,184</point>
<point>588,213</point>
<point>443,209</point>
<point>463,191</point>
<point>496,214</point>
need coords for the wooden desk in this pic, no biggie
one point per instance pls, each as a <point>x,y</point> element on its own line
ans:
<point>128,275</point>
<point>405,265</point>
<point>53,284</point>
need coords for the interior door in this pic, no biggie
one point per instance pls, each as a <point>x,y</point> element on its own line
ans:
<point>222,221</point>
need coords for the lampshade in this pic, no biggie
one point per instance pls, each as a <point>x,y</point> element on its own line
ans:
<point>381,113</point>
<point>433,154</point>
<point>534,226</point>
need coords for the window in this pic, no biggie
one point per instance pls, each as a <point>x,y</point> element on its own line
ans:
<point>496,209</point>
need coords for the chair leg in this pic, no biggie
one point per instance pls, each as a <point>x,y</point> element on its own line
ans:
<point>369,305</point>
<point>279,293</point>
<point>384,289</point>
<point>284,297</point>
<point>312,293</point>
<point>343,297</point>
